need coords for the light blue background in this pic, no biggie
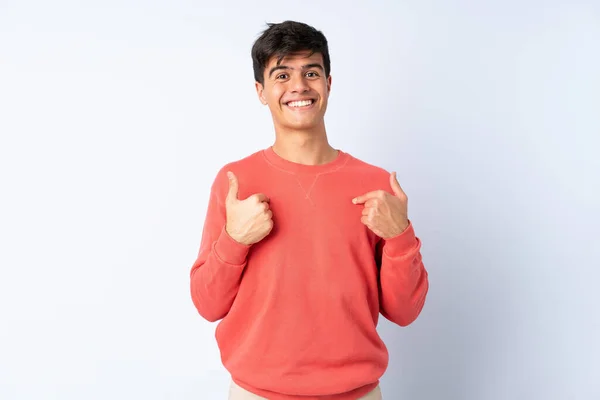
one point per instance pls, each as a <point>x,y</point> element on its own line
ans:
<point>116,115</point>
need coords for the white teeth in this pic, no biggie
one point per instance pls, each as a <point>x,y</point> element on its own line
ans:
<point>301,103</point>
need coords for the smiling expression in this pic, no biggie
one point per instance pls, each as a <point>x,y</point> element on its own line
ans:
<point>296,91</point>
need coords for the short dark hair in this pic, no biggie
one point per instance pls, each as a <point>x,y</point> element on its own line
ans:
<point>286,38</point>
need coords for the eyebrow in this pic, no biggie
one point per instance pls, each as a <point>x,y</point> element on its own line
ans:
<point>307,66</point>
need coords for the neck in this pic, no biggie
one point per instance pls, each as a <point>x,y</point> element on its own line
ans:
<point>303,147</point>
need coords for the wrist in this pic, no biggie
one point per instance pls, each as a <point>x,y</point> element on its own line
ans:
<point>235,237</point>
<point>230,250</point>
<point>402,227</point>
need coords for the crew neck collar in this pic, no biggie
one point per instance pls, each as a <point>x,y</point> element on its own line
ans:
<point>290,166</point>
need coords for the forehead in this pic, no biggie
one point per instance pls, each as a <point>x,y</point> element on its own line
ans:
<point>299,58</point>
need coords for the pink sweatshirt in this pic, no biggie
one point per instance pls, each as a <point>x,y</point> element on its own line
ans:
<point>298,310</point>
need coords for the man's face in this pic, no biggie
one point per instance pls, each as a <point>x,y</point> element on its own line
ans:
<point>296,91</point>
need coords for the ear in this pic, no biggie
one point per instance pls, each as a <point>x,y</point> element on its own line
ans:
<point>260,92</point>
<point>329,83</point>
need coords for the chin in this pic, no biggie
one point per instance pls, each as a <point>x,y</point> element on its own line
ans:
<point>302,125</point>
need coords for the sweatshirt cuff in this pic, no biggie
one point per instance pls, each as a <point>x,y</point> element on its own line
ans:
<point>229,250</point>
<point>401,244</point>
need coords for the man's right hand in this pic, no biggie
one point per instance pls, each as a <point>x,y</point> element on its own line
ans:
<point>249,220</point>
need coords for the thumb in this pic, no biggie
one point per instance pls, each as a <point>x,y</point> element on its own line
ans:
<point>232,194</point>
<point>395,185</point>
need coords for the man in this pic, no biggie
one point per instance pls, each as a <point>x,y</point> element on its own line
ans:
<point>304,245</point>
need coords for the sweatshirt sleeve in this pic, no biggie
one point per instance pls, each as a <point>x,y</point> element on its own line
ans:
<point>404,280</point>
<point>216,273</point>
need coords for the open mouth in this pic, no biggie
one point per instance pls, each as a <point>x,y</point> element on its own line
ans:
<point>300,104</point>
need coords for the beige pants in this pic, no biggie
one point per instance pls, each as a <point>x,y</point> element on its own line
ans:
<point>238,393</point>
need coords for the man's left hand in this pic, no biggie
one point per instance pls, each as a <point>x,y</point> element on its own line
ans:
<point>384,213</point>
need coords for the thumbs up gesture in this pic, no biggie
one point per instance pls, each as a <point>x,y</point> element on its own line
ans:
<point>385,214</point>
<point>248,220</point>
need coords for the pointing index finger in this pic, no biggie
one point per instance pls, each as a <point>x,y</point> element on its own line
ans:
<point>363,198</point>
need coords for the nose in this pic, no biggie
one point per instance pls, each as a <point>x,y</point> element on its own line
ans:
<point>298,84</point>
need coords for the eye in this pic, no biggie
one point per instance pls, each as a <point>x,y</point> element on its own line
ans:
<point>282,76</point>
<point>312,74</point>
